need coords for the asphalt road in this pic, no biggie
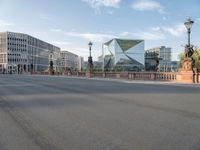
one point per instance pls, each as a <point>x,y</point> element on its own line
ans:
<point>56,113</point>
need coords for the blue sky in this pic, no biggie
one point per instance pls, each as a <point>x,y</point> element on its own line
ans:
<point>71,24</point>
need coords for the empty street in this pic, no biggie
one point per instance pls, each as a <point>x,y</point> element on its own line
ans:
<point>63,113</point>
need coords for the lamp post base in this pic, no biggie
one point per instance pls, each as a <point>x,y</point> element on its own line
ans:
<point>89,72</point>
<point>187,74</point>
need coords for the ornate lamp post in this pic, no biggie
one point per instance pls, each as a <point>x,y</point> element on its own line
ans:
<point>189,48</point>
<point>187,73</point>
<point>90,62</point>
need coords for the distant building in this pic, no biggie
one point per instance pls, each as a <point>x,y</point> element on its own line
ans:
<point>151,61</point>
<point>70,61</point>
<point>174,66</point>
<point>23,52</point>
<point>107,62</point>
<point>158,59</point>
<point>85,65</point>
<point>97,65</point>
<point>80,63</point>
<point>124,55</point>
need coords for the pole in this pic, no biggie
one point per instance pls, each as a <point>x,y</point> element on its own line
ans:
<point>90,51</point>
<point>189,31</point>
<point>103,57</point>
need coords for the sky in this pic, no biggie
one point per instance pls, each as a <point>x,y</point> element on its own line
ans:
<point>71,24</point>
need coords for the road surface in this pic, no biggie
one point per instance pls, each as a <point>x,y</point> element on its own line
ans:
<point>60,113</point>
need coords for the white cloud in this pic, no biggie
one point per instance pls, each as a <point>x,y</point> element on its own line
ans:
<point>81,49</point>
<point>178,30</point>
<point>43,16</point>
<point>143,35</point>
<point>125,34</point>
<point>147,5</point>
<point>96,37</point>
<point>156,28</point>
<point>61,43</point>
<point>102,37</point>
<point>150,36</point>
<point>56,30</point>
<point>110,12</point>
<point>103,3</point>
<point>164,18</point>
<point>108,5</point>
<point>5,24</point>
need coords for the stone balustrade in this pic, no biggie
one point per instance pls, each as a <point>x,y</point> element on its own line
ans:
<point>153,76</point>
<point>171,76</point>
<point>150,76</point>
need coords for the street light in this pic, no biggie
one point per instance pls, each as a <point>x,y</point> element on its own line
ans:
<point>90,63</point>
<point>188,25</point>
<point>90,47</point>
<point>189,48</point>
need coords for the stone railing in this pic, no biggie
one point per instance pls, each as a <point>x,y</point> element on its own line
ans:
<point>150,76</point>
<point>197,77</point>
<point>164,76</point>
<point>167,76</point>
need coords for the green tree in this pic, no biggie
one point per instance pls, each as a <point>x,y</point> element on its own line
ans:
<point>196,57</point>
<point>181,57</point>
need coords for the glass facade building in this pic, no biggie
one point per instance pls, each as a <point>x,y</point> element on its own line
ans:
<point>123,55</point>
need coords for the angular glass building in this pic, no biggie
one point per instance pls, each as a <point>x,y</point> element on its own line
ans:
<point>123,55</point>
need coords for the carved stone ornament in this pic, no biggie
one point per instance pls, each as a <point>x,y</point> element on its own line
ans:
<point>187,65</point>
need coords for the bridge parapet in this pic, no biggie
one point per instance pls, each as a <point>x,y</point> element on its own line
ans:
<point>150,76</point>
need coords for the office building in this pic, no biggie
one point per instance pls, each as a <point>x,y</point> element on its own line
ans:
<point>123,55</point>
<point>23,52</point>
<point>158,59</point>
<point>70,61</point>
<point>175,66</point>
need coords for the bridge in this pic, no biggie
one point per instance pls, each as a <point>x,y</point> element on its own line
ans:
<point>63,112</point>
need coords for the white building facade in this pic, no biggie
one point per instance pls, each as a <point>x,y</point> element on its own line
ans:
<point>18,50</point>
<point>70,61</point>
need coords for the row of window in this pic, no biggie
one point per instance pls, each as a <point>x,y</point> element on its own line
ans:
<point>17,49</point>
<point>17,44</point>
<point>17,60</point>
<point>20,42</point>
<point>14,54</point>
<point>16,39</point>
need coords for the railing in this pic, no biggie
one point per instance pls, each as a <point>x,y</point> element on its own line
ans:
<point>98,74</point>
<point>198,78</point>
<point>164,76</point>
<point>151,76</point>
